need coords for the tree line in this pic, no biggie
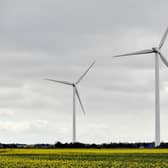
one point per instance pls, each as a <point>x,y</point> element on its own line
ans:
<point>83,145</point>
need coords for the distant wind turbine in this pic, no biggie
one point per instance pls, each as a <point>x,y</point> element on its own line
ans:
<point>157,52</point>
<point>75,93</point>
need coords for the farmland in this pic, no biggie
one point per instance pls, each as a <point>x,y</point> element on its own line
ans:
<point>84,158</point>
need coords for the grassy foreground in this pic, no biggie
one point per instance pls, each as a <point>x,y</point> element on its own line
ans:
<point>84,158</point>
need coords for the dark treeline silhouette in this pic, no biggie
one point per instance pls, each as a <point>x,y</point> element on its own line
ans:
<point>82,145</point>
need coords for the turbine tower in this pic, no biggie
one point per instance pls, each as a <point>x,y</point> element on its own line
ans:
<point>157,52</point>
<point>75,94</point>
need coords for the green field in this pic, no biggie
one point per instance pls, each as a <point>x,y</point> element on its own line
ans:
<point>84,158</point>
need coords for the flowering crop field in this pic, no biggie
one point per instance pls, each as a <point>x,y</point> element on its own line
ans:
<point>84,158</point>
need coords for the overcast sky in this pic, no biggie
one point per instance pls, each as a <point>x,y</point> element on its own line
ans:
<point>59,39</point>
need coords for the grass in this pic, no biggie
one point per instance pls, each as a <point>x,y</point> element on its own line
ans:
<point>84,158</point>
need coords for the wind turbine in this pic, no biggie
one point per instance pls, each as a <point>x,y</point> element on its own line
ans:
<point>157,52</point>
<point>75,93</point>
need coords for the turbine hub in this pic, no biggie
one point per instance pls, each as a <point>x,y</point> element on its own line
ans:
<point>73,85</point>
<point>155,50</point>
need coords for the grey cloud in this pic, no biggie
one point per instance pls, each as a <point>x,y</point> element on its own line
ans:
<point>59,39</point>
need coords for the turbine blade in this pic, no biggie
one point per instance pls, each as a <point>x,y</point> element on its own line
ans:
<point>77,93</point>
<point>85,72</point>
<point>163,39</point>
<point>163,59</point>
<point>148,51</point>
<point>57,81</point>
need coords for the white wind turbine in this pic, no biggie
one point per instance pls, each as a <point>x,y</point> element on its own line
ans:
<point>75,93</point>
<point>157,52</point>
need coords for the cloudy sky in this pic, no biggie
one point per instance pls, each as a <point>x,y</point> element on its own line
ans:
<point>59,39</point>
